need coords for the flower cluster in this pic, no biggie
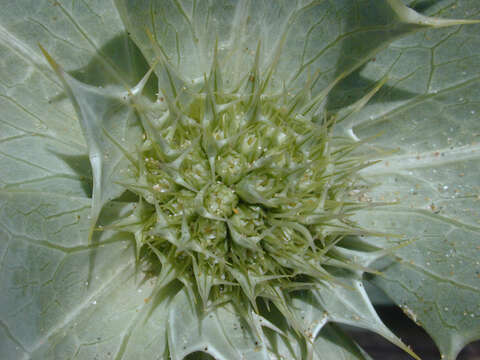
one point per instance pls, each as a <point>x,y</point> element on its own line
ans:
<point>243,193</point>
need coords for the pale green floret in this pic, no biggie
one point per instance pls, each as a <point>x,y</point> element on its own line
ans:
<point>210,232</point>
<point>220,200</point>
<point>231,167</point>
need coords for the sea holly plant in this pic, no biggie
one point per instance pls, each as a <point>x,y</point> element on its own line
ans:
<point>224,177</point>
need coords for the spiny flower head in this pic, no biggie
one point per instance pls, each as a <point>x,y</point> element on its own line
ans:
<point>243,195</point>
